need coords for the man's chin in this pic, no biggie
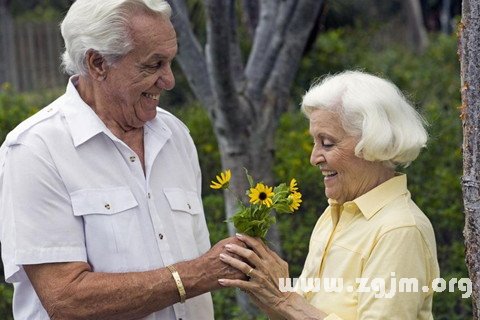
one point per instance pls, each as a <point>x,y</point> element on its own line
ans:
<point>147,115</point>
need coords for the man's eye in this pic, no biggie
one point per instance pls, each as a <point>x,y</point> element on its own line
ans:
<point>153,66</point>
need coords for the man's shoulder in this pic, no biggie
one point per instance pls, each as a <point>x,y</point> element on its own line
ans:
<point>34,121</point>
<point>171,120</point>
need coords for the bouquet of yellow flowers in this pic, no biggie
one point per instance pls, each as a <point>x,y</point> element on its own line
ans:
<point>255,219</point>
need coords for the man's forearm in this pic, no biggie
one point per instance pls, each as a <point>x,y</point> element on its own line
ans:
<point>95,295</point>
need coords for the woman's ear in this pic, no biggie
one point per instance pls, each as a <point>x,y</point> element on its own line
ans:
<point>97,66</point>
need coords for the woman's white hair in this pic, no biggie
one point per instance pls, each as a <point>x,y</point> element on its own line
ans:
<point>103,26</point>
<point>374,110</point>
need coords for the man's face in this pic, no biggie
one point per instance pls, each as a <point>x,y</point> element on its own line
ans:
<point>134,84</point>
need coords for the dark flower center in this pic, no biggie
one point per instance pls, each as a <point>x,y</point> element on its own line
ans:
<point>262,196</point>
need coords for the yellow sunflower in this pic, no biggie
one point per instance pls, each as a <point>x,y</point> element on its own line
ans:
<point>293,186</point>
<point>222,180</point>
<point>261,194</point>
<point>295,198</point>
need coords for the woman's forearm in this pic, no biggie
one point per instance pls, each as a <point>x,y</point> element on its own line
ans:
<point>296,307</point>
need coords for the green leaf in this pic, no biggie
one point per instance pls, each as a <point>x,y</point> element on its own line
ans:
<point>283,208</point>
<point>249,178</point>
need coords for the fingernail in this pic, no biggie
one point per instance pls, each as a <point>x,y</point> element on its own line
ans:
<point>228,247</point>
<point>239,235</point>
<point>222,256</point>
<point>221,281</point>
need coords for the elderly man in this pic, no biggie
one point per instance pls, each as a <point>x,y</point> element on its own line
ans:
<point>101,213</point>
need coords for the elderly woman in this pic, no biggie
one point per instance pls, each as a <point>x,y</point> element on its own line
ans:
<point>372,244</point>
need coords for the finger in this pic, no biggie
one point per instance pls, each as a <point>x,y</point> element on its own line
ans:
<point>237,264</point>
<point>243,285</point>
<point>245,253</point>
<point>275,256</point>
<point>256,244</point>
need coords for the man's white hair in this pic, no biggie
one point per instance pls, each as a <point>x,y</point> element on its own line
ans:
<point>103,26</point>
<point>373,109</point>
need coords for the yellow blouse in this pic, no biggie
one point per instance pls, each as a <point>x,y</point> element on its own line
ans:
<point>381,235</point>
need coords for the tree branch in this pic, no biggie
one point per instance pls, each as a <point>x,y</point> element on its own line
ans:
<point>190,55</point>
<point>265,46</point>
<point>235,52</point>
<point>250,9</point>
<point>219,59</point>
<point>296,36</point>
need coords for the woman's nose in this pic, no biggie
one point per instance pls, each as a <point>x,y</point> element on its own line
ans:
<point>316,157</point>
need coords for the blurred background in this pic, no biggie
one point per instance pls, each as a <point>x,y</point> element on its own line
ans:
<point>418,52</point>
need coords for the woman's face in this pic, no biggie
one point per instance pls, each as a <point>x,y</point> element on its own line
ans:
<point>346,176</point>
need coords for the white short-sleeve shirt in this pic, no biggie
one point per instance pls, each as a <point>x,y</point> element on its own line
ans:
<point>71,191</point>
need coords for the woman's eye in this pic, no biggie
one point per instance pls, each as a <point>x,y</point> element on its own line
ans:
<point>327,144</point>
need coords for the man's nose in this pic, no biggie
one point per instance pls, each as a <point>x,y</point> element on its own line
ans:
<point>166,80</point>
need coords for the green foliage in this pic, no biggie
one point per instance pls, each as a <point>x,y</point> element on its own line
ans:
<point>13,109</point>
<point>6,295</point>
<point>35,10</point>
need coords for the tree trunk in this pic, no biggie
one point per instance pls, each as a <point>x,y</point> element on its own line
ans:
<point>469,51</point>
<point>417,32</point>
<point>245,99</point>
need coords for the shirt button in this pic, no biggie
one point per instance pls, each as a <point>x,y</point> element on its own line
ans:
<point>149,195</point>
<point>132,159</point>
<point>160,236</point>
<point>107,206</point>
<point>189,206</point>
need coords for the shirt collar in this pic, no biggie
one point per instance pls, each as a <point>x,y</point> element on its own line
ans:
<point>84,123</point>
<point>372,201</point>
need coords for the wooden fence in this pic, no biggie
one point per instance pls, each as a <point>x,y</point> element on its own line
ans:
<point>30,55</point>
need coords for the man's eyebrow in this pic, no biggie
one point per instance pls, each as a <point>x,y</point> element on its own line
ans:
<point>157,56</point>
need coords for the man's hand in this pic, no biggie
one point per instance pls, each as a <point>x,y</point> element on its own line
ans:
<point>219,268</point>
<point>211,268</point>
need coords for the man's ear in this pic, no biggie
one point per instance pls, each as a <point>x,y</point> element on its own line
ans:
<point>97,66</point>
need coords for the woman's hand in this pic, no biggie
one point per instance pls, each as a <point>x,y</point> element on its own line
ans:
<point>264,269</point>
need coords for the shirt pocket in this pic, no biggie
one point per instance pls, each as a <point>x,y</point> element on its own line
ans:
<point>183,201</point>
<point>109,214</point>
<point>186,208</point>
